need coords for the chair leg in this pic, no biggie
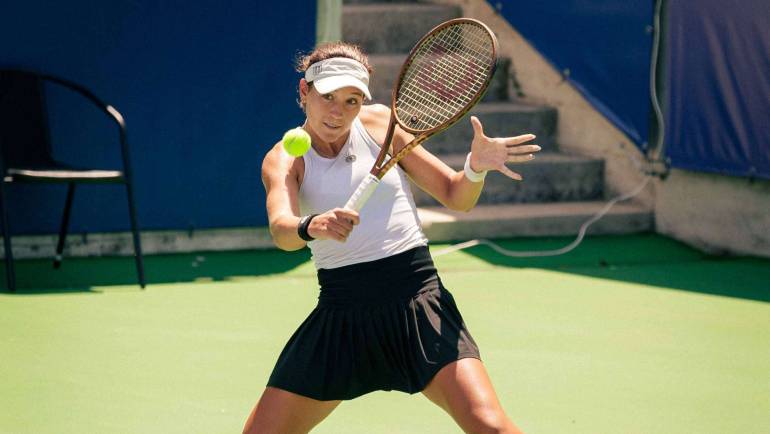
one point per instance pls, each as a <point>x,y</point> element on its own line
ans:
<point>10,275</point>
<point>135,233</point>
<point>65,222</point>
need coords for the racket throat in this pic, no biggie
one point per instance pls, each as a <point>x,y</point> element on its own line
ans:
<point>376,172</point>
<point>386,145</point>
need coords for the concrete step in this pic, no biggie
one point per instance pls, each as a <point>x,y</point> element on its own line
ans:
<point>551,219</point>
<point>550,177</point>
<point>392,27</point>
<point>388,66</point>
<point>153,242</point>
<point>500,119</point>
<point>559,192</point>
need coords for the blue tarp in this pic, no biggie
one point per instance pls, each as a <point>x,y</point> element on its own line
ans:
<point>718,86</point>
<point>715,80</point>
<point>605,46</point>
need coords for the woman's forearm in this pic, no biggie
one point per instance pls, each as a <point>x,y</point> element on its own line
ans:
<point>284,232</point>
<point>463,194</point>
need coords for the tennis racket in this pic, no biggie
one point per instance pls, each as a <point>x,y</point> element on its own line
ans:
<point>444,76</point>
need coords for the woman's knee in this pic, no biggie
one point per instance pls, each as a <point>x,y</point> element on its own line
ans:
<point>489,421</point>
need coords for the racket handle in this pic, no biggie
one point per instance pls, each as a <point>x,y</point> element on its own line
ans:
<point>362,193</point>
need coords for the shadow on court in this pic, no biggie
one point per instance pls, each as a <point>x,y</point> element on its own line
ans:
<point>647,259</point>
<point>37,276</point>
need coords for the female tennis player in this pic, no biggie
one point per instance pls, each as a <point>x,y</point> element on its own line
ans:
<point>384,321</point>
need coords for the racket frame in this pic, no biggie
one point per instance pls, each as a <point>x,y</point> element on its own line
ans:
<point>420,136</point>
<point>370,182</point>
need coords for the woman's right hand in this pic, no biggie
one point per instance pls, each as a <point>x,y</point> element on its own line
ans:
<point>335,224</point>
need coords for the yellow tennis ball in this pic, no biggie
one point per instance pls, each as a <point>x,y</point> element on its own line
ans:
<point>296,142</point>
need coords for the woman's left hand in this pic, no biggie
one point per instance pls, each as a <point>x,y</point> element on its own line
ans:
<point>492,153</point>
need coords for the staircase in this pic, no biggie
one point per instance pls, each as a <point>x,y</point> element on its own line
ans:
<point>559,191</point>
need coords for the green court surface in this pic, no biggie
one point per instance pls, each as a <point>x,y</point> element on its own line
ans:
<point>629,334</point>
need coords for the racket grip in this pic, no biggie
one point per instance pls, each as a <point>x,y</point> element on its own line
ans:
<point>362,193</point>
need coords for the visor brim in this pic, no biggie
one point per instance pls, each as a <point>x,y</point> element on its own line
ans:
<point>330,84</point>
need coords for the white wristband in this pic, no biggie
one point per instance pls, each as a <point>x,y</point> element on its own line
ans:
<point>471,174</point>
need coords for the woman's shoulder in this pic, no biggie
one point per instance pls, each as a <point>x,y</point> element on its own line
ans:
<point>278,162</point>
<point>374,114</point>
<point>275,155</point>
<point>375,118</point>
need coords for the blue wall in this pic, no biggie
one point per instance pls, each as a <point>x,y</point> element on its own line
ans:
<point>718,86</point>
<point>206,88</point>
<point>716,72</point>
<point>605,45</point>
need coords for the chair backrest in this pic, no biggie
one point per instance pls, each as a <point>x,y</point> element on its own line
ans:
<point>24,135</point>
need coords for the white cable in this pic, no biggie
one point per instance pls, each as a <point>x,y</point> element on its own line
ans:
<point>541,253</point>
<point>658,151</point>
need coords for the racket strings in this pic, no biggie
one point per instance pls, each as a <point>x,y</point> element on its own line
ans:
<point>447,73</point>
<point>444,101</point>
<point>452,68</point>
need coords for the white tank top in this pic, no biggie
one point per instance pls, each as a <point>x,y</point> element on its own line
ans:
<point>389,222</point>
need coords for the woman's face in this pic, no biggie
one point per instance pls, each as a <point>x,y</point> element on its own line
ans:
<point>329,116</point>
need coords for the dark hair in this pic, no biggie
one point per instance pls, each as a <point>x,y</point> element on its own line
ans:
<point>328,50</point>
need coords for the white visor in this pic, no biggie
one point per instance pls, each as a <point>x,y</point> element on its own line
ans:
<point>338,72</point>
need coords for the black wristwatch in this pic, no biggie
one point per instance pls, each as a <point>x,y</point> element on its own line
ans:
<point>304,222</point>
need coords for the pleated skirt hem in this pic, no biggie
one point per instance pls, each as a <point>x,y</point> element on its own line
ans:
<point>303,391</point>
<point>384,325</point>
<point>340,353</point>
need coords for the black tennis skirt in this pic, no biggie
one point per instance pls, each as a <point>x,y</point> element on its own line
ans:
<point>387,324</point>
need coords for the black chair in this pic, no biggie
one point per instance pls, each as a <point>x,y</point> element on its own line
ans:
<point>26,155</point>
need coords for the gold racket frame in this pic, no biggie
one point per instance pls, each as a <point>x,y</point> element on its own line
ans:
<point>422,135</point>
